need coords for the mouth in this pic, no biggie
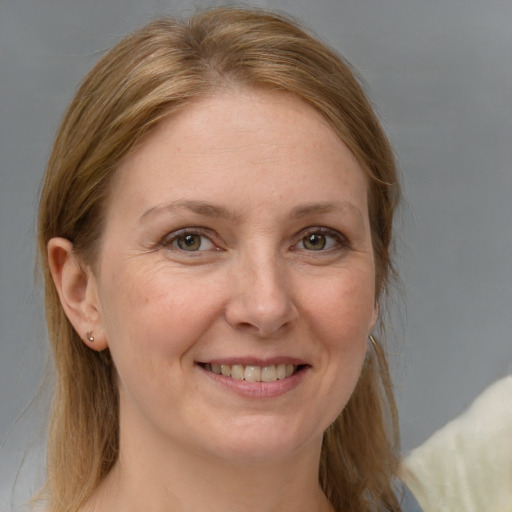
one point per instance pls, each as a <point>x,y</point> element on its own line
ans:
<point>254,373</point>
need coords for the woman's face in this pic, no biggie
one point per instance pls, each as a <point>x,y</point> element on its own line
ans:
<point>236,279</point>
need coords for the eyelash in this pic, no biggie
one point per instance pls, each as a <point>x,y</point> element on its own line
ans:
<point>339,241</point>
<point>170,240</point>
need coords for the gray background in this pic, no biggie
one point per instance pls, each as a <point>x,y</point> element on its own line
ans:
<point>440,73</point>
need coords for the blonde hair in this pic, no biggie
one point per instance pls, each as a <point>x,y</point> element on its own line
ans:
<point>154,71</point>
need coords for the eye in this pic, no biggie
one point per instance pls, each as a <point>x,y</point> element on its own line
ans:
<point>321,240</point>
<point>314,242</point>
<point>189,241</point>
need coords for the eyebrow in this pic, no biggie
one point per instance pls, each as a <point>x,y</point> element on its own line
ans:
<point>213,210</point>
<point>199,207</point>
<point>327,207</point>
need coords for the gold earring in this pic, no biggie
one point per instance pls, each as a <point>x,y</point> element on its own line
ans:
<point>375,348</point>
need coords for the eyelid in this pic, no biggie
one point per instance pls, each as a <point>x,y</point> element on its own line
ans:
<point>168,240</point>
<point>341,239</point>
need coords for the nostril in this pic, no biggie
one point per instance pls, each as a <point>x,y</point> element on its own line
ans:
<point>261,314</point>
<point>254,329</point>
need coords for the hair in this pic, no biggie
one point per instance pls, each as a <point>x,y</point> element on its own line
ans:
<point>150,74</point>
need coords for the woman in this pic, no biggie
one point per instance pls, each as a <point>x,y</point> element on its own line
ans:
<point>215,230</point>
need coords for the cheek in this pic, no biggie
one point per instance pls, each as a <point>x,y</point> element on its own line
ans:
<point>155,313</point>
<point>343,308</point>
<point>339,319</point>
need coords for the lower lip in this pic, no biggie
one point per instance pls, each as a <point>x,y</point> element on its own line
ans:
<point>250,389</point>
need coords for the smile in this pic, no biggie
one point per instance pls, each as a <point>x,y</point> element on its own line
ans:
<point>252,373</point>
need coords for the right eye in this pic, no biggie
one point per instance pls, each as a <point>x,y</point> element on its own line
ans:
<point>189,241</point>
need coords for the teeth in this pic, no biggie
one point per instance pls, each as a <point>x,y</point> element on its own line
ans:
<point>269,373</point>
<point>252,373</point>
<point>237,372</point>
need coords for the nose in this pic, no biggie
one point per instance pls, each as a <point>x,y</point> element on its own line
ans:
<point>262,300</point>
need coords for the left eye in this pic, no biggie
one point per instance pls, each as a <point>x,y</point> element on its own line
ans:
<point>318,241</point>
<point>192,242</point>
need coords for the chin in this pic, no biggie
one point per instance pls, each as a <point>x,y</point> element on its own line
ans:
<point>265,442</point>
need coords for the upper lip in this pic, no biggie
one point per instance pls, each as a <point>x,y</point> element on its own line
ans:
<point>255,361</point>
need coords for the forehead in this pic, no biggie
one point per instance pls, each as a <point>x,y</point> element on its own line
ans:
<point>250,138</point>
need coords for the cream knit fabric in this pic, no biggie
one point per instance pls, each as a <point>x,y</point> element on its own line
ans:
<point>467,465</point>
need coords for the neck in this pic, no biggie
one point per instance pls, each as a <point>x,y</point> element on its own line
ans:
<point>176,480</point>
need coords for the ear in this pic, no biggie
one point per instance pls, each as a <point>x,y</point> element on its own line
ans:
<point>78,293</point>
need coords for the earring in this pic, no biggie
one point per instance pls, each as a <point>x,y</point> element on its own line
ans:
<point>373,343</point>
<point>90,336</point>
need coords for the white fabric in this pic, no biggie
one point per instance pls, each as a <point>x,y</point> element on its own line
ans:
<point>467,465</point>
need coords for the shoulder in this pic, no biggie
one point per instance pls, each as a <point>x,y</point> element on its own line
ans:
<point>407,500</point>
<point>468,462</point>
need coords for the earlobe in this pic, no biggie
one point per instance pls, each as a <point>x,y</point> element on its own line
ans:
<point>77,289</point>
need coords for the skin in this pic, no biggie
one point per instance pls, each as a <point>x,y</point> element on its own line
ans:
<point>255,291</point>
